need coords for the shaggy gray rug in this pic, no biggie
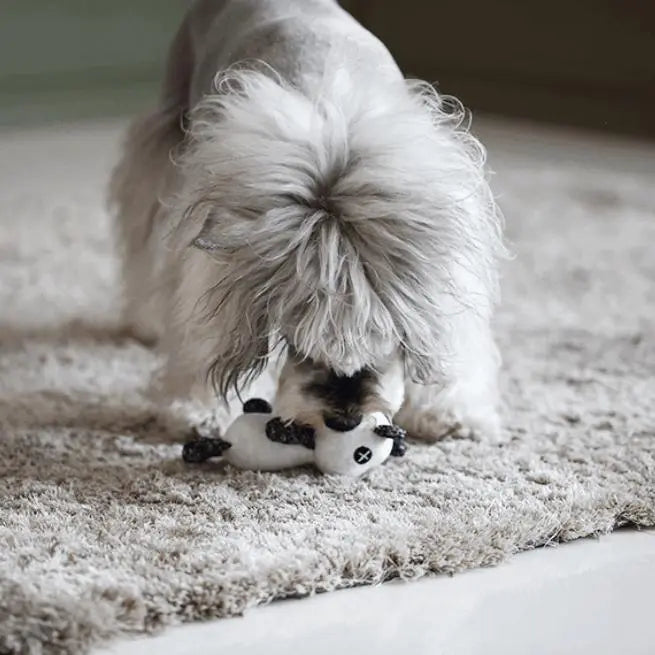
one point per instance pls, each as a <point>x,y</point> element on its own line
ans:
<point>103,529</point>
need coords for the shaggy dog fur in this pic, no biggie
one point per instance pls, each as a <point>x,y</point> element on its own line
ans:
<point>292,193</point>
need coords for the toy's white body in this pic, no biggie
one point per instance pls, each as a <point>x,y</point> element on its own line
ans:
<point>252,449</point>
<point>350,453</point>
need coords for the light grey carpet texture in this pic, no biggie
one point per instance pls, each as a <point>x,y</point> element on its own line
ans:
<point>103,529</point>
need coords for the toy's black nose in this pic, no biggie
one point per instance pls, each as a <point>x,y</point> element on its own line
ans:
<point>342,422</point>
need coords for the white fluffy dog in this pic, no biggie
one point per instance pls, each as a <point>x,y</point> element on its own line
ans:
<point>292,189</point>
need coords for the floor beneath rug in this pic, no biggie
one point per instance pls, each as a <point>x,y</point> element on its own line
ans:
<point>589,597</point>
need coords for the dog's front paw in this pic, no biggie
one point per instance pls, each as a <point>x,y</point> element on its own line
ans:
<point>431,426</point>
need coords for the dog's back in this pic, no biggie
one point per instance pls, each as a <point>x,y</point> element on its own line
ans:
<point>296,38</point>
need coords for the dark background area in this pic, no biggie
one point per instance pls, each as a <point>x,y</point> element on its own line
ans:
<point>588,63</point>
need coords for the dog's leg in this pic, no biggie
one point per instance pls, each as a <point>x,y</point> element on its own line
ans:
<point>182,393</point>
<point>190,413</point>
<point>142,177</point>
<point>186,403</point>
<point>186,406</point>
<point>466,403</point>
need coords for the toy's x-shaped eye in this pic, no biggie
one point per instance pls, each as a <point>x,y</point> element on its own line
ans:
<point>290,433</point>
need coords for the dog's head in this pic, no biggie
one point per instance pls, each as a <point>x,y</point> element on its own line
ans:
<point>314,394</point>
<point>336,223</point>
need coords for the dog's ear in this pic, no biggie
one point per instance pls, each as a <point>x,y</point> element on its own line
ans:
<point>210,238</point>
<point>203,243</point>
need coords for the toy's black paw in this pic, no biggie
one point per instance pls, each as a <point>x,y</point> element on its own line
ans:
<point>279,431</point>
<point>257,406</point>
<point>290,433</point>
<point>200,450</point>
<point>398,435</point>
<point>399,448</point>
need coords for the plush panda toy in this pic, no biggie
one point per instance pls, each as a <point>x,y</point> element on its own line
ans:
<point>256,441</point>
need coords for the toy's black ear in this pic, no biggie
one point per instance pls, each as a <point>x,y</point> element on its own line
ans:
<point>257,406</point>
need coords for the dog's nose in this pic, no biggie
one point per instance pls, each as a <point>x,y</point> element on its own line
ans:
<point>342,422</point>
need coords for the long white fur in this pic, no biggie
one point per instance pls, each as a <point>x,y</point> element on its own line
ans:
<point>354,221</point>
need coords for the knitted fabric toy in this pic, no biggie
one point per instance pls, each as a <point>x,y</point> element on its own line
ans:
<point>258,442</point>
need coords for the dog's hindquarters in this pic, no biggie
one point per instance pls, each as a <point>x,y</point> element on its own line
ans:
<point>140,184</point>
<point>138,187</point>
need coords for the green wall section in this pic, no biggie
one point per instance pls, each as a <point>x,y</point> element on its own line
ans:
<point>68,59</point>
<point>589,63</point>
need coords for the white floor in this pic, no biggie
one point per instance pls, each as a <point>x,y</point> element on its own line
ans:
<point>583,598</point>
